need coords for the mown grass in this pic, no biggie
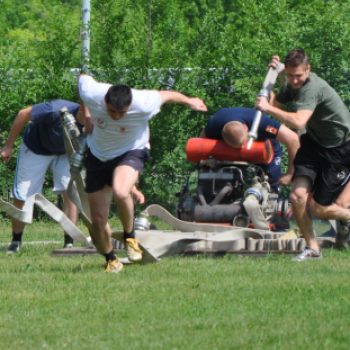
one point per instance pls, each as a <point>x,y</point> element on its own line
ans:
<point>199,302</point>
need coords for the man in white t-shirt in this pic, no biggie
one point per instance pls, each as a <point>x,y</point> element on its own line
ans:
<point>117,118</point>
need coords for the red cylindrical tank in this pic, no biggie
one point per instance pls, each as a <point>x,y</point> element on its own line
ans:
<point>197,149</point>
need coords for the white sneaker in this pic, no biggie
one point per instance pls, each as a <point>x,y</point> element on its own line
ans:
<point>68,246</point>
<point>308,254</point>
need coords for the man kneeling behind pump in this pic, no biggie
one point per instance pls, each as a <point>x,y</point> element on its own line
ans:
<point>233,124</point>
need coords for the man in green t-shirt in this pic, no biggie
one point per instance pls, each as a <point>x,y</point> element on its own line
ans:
<point>322,163</point>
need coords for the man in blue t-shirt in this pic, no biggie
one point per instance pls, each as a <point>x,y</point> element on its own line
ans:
<point>233,124</point>
<point>42,147</point>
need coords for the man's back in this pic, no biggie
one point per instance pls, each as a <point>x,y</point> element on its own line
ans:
<point>44,135</point>
<point>268,128</point>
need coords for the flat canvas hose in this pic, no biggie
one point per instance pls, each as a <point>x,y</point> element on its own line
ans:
<point>26,215</point>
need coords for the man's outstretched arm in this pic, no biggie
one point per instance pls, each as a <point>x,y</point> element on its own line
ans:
<point>194,103</point>
<point>20,121</point>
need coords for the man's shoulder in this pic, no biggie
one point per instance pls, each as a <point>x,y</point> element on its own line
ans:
<point>91,91</point>
<point>85,77</point>
<point>314,77</point>
<point>314,81</point>
<point>316,89</point>
<point>87,82</point>
<point>144,93</point>
<point>145,100</point>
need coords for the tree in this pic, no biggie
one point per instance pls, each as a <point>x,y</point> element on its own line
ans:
<point>151,44</point>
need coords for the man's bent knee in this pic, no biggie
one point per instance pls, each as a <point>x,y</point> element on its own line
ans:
<point>298,198</point>
<point>301,190</point>
<point>121,195</point>
<point>99,223</point>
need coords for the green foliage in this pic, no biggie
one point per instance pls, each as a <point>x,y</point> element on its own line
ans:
<point>150,44</point>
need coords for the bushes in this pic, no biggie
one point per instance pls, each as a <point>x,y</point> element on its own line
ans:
<point>149,44</point>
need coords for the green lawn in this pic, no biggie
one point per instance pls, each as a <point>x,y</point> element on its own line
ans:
<point>198,302</point>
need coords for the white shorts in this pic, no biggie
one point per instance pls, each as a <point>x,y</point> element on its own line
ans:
<point>30,173</point>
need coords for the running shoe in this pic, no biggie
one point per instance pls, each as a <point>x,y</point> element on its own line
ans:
<point>342,238</point>
<point>114,266</point>
<point>14,247</point>
<point>133,250</point>
<point>68,246</point>
<point>308,254</point>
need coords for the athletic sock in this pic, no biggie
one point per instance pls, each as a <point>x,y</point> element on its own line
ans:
<point>129,235</point>
<point>110,256</point>
<point>68,239</point>
<point>17,237</point>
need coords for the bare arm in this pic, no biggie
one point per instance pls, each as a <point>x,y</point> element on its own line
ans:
<point>273,100</point>
<point>138,197</point>
<point>203,134</point>
<point>291,140</point>
<point>194,103</point>
<point>20,121</point>
<point>296,120</point>
<point>88,121</point>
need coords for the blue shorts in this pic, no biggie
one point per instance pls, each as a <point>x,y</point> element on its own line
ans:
<point>274,170</point>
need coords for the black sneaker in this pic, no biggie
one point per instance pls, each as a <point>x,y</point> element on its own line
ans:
<point>14,247</point>
<point>342,238</point>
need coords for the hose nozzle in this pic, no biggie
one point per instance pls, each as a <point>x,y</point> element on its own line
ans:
<point>69,123</point>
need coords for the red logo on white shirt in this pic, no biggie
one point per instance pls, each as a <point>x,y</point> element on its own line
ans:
<point>102,124</point>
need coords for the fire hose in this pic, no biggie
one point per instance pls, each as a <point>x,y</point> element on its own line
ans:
<point>268,84</point>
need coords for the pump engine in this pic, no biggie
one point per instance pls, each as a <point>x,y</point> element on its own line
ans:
<point>232,188</point>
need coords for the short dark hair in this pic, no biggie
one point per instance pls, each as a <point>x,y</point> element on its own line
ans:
<point>119,96</point>
<point>296,57</point>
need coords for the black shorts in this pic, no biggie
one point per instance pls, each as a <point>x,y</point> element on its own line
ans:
<point>99,174</point>
<point>328,168</point>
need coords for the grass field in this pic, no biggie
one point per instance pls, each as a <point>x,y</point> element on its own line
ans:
<point>198,302</point>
